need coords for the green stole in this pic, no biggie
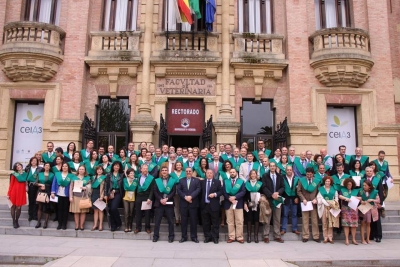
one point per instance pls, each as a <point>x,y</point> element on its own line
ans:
<point>267,152</point>
<point>353,173</point>
<point>254,188</point>
<point>337,182</point>
<point>137,172</point>
<point>46,158</point>
<point>165,189</point>
<point>326,158</point>
<point>327,195</point>
<point>277,202</point>
<point>299,166</point>
<point>31,177</point>
<point>89,169</point>
<point>309,187</point>
<point>21,177</point>
<point>283,169</point>
<point>380,175</point>
<point>173,175</point>
<point>291,191</point>
<point>363,159</point>
<point>83,155</point>
<point>347,159</point>
<point>235,165</point>
<point>114,181</point>
<point>372,195</point>
<point>160,161</point>
<point>223,175</point>
<point>233,190</point>
<point>290,160</point>
<point>54,169</point>
<point>85,179</point>
<point>42,179</point>
<point>224,157</point>
<point>72,166</point>
<point>345,192</point>
<point>106,170</point>
<point>209,157</point>
<point>146,184</point>
<point>131,187</point>
<point>262,171</point>
<point>65,182</point>
<point>199,172</point>
<point>382,168</point>
<point>375,181</point>
<point>256,166</point>
<point>152,165</point>
<point>96,182</point>
<point>66,155</point>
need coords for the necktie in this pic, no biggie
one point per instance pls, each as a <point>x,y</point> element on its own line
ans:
<point>188,183</point>
<point>157,159</point>
<point>111,155</point>
<point>208,190</point>
<point>266,169</point>
<point>274,181</point>
<point>304,163</point>
<point>233,182</point>
<point>309,181</point>
<point>173,167</point>
<point>236,160</point>
<point>215,167</point>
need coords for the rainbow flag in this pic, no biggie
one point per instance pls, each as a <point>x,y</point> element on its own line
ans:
<point>184,8</point>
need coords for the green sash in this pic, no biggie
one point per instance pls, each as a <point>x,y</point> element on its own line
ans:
<point>318,176</point>
<point>152,166</point>
<point>96,182</point>
<point>114,181</point>
<point>372,195</point>
<point>137,172</point>
<point>44,180</point>
<point>327,195</point>
<point>54,169</point>
<point>337,182</point>
<point>277,202</point>
<point>345,192</point>
<point>326,158</point>
<point>91,171</point>
<point>48,159</point>
<point>83,155</point>
<point>31,177</point>
<point>290,160</point>
<point>160,161</point>
<point>65,182</point>
<point>282,168</point>
<point>291,191</point>
<point>146,184</point>
<point>361,174</point>
<point>21,177</point>
<point>267,152</point>
<point>363,159</point>
<point>72,166</point>
<point>254,188</point>
<point>347,159</point>
<point>209,157</point>
<point>199,172</point>
<point>224,157</point>
<point>223,175</point>
<point>262,171</point>
<point>233,190</point>
<point>310,187</point>
<point>235,165</point>
<point>380,175</point>
<point>173,175</point>
<point>131,187</point>
<point>85,179</point>
<point>66,155</point>
<point>165,189</point>
<point>299,166</point>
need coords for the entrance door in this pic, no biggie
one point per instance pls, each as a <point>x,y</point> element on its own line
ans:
<point>113,123</point>
<point>184,141</point>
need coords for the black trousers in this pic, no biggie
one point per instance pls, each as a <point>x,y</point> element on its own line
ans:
<point>33,207</point>
<point>186,215</point>
<point>376,227</point>
<point>210,222</point>
<point>139,214</point>
<point>115,218</point>
<point>168,211</point>
<point>63,210</point>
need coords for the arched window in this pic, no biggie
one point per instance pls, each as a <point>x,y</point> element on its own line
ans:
<point>119,15</point>
<point>255,16</point>
<point>47,11</point>
<point>332,13</point>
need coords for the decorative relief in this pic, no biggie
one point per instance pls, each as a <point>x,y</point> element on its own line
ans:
<point>246,82</point>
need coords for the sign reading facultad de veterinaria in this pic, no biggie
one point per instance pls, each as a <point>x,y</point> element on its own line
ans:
<point>185,86</point>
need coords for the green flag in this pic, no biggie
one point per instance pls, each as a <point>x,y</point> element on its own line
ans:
<point>195,7</point>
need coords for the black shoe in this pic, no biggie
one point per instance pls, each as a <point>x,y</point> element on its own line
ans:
<point>59,227</point>
<point>195,240</point>
<point>248,239</point>
<point>182,240</point>
<point>64,228</point>
<point>55,219</point>
<point>207,240</point>
<point>378,240</point>
<point>113,229</point>
<point>170,240</point>
<point>45,225</point>
<point>317,240</point>
<point>216,241</point>
<point>38,225</point>
<point>15,225</point>
<point>155,239</point>
<point>305,240</point>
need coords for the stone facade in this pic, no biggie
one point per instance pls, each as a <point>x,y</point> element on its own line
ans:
<point>301,69</point>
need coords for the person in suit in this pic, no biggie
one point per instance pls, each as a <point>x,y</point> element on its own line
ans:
<point>164,192</point>
<point>188,190</point>
<point>211,190</point>
<point>246,167</point>
<point>234,192</point>
<point>273,188</point>
<point>215,165</point>
<point>228,153</point>
<point>144,192</point>
<point>236,160</point>
<point>300,165</point>
<point>152,167</point>
<point>307,190</point>
<point>49,156</point>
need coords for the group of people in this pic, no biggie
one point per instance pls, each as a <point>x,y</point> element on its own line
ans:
<point>212,185</point>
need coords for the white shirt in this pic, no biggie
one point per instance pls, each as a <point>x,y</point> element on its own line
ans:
<point>290,180</point>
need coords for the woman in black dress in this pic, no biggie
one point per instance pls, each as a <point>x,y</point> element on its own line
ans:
<point>251,206</point>
<point>44,182</point>
<point>114,192</point>
<point>98,194</point>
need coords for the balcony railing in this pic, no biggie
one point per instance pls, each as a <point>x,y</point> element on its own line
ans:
<point>186,40</point>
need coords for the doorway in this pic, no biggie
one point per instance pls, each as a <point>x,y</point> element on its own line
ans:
<point>184,141</point>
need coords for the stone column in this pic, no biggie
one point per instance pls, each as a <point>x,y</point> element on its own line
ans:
<point>142,126</point>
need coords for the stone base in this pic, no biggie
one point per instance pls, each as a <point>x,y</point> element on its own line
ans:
<point>142,128</point>
<point>226,131</point>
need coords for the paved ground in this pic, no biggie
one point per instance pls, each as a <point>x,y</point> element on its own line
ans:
<point>110,252</point>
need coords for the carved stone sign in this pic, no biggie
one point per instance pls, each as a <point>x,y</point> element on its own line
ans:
<point>185,86</point>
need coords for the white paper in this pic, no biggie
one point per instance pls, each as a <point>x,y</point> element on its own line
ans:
<point>146,206</point>
<point>77,186</point>
<point>170,203</point>
<point>55,199</point>
<point>335,213</point>
<point>389,183</point>
<point>9,203</point>
<point>307,207</point>
<point>101,205</point>
<point>364,208</point>
<point>357,180</point>
<point>353,203</point>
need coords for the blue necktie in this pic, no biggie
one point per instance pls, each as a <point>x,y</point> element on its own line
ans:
<point>207,191</point>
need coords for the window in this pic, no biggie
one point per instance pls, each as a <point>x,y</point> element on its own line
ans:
<point>172,16</point>
<point>120,15</point>
<point>255,16</point>
<point>332,13</point>
<point>47,11</point>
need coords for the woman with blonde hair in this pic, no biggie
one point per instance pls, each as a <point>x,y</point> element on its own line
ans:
<point>75,197</point>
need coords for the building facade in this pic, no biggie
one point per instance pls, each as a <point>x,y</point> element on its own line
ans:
<point>140,75</point>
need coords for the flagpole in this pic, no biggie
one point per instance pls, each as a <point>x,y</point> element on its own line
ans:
<point>167,35</point>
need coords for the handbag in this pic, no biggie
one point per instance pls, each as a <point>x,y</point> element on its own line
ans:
<point>42,197</point>
<point>85,203</point>
<point>112,195</point>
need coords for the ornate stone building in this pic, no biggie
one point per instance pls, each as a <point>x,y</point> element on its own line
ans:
<point>131,67</point>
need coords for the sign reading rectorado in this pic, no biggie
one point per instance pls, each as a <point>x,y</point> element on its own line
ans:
<point>185,86</point>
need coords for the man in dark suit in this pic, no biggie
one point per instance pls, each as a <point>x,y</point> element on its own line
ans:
<point>211,190</point>
<point>188,191</point>
<point>273,188</point>
<point>164,191</point>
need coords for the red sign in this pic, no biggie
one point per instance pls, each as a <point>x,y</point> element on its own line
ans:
<point>185,117</point>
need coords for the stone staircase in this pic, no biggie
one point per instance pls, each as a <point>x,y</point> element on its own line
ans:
<point>390,225</point>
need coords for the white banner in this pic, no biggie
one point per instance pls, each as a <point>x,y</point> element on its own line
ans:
<point>341,129</point>
<point>28,132</point>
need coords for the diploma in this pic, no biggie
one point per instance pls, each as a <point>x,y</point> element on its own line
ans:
<point>357,180</point>
<point>55,199</point>
<point>364,208</point>
<point>77,186</point>
<point>146,206</point>
<point>389,183</point>
<point>335,213</point>
<point>353,203</point>
<point>101,205</point>
<point>307,207</point>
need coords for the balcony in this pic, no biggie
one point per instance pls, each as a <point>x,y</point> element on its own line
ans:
<point>341,56</point>
<point>31,51</point>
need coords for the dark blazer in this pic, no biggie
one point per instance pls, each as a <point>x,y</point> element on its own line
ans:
<point>108,184</point>
<point>193,191</point>
<point>268,186</point>
<point>158,195</point>
<point>287,198</point>
<point>215,187</point>
<point>239,196</point>
<point>148,194</point>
